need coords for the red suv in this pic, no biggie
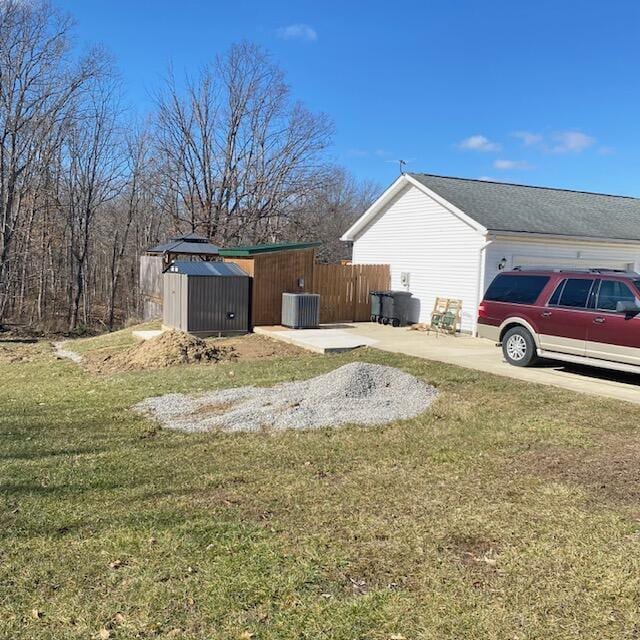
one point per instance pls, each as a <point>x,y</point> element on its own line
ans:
<point>584,316</point>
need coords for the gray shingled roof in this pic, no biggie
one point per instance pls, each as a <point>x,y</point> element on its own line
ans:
<point>189,244</point>
<point>500,206</point>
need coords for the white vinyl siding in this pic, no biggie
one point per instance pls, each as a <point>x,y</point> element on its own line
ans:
<point>417,235</point>
<point>552,253</point>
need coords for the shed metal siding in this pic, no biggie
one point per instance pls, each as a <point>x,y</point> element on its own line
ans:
<point>415,234</point>
<point>211,299</point>
<point>173,315</point>
<point>151,276</point>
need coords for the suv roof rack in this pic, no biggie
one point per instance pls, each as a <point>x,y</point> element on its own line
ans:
<point>574,270</point>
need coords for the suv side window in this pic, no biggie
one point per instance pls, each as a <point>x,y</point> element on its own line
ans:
<point>516,289</point>
<point>611,292</point>
<point>573,292</point>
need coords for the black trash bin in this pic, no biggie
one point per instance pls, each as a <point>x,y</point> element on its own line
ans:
<point>376,304</point>
<point>395,307</point>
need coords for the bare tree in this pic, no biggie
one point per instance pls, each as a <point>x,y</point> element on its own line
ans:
<point>125,212</point>
<point>94,176</point>
<point>37,84</point>
<point>237,151</point>
<point>329,212</point>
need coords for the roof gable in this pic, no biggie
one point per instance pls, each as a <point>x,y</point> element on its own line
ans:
<point>404,181</point>
<point>497,206</point>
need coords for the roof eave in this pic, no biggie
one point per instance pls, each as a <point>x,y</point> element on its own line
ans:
<point>559,236</point>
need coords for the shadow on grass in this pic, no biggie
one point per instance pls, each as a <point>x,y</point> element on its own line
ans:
<point>43,454</point>
<point>608,375</point>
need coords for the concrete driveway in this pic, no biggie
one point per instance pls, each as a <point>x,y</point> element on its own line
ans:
<point>475,353</point>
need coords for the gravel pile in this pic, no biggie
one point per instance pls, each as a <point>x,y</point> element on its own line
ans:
<point>357,393</point>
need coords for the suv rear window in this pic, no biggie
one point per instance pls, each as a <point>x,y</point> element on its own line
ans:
<point>611,292</point>
<point>517,289</point>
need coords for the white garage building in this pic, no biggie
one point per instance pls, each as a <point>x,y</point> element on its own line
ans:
<point>449,237</point>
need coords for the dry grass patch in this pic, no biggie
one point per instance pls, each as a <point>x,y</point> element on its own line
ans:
<point>478,558</point>
<point>15,352</point>
<point>609,469</point>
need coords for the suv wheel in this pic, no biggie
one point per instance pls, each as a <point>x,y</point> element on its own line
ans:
<point>518,347</point>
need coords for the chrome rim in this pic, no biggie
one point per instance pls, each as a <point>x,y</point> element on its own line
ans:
<point>516,347</point>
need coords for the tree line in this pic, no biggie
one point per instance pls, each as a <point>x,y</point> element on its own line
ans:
<point>86,186</point>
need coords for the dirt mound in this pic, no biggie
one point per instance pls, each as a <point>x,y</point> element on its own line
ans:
<point>166,350</point>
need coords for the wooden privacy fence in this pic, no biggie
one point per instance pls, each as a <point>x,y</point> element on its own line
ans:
<point>344,289</point>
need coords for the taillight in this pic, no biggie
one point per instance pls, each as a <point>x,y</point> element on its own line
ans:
<point>482,311</point>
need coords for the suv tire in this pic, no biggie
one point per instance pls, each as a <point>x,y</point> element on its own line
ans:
<point>519,348</point>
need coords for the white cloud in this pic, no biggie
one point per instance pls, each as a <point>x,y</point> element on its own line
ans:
<point>528,139</point>
<point>487,179</point>
<point>479,143</point>
<point>506,165</point>
<point>297,32</point>
<point>571,142</point>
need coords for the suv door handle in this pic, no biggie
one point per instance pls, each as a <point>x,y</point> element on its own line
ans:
<point>545,314</point>
<point>598,321</point>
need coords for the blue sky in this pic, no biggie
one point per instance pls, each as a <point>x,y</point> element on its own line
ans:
<point>538,92</point>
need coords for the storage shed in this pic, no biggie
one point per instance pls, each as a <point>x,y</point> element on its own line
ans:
<point>206,298</point>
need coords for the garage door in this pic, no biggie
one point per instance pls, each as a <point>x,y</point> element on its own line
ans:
<point>569,263</point>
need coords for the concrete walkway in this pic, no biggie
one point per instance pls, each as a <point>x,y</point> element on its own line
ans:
<point>327,339</point>
<point>475,353</point>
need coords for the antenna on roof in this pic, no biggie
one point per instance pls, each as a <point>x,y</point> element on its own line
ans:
<point>402,164</point>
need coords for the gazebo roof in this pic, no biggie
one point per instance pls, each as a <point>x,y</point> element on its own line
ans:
<point>188,244</point>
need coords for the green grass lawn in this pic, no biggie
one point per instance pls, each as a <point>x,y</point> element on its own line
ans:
<point>508,511</point>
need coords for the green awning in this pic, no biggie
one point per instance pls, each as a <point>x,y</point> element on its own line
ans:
<point>252,250</point>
